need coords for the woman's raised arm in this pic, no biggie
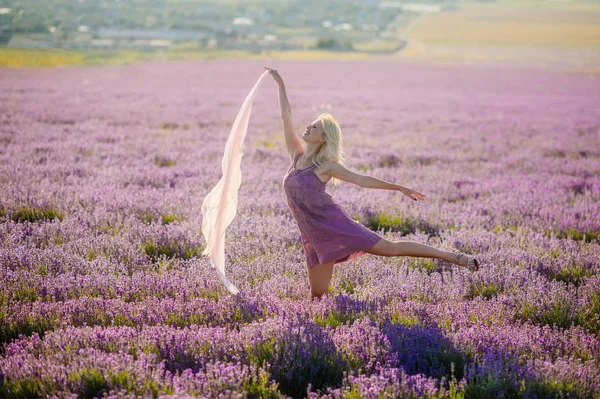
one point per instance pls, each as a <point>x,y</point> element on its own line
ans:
<point>293,144</point>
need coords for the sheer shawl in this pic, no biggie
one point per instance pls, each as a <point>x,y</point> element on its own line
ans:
<point>220,205</point>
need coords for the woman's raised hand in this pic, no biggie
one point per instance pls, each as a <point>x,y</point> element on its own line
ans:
<point>275,75</point>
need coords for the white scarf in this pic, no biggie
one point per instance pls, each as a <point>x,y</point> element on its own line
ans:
<point>220,205</point>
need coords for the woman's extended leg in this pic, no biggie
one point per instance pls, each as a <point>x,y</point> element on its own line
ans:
<point>407,248</point>
<point>319,277</point>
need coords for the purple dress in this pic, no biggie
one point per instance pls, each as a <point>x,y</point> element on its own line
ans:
<point>328,233</point>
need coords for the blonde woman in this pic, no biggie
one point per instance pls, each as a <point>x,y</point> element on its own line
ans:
<point>329,234</point>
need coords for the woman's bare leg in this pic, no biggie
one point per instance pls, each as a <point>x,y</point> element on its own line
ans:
<point>319,277</point>
<point>407,248</point>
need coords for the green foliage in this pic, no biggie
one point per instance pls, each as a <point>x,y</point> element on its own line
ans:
<point>587,235</point>
<point>25,293</point>
<point>335,318</point>
<point>26,326</point>
<point>449,358</point>
<point>558,315</point>
<point>266,143</point>
<point>88,383</point>
<point>347,286</point>
<point>151,348</point>
<point>171,126</point>
<point>487,291</point>
<point>554,253</point>
<point>91,255</point>
<point>403,319</point>
<point>490,387</point>
<point>425,265</point>
<point>166,219</point>
<point>572,274</point>
<point>389,161</point>
<point>403,225</point>
<point>163,161</point>
<point>259,386</point>
<point>181,321</point>
<point>170,249</point>
<point>36,214</point>
<point>326,366</point>
<point>121,320</point>
<point>123,380</point>
<point>326,43</point>
<point>24,388</point>
<point>590,318</point>
<point>554,389</point>
<point>333,44</point>
<point>261,352</point>
<point>152,386</point>
<point>111,227</point>
<point>41,14</point>
<point>455,391</point>
<point>91,383</point>
<point>149,217</point>
<point>354,393</point>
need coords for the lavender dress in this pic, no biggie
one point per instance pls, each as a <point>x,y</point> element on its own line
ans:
<point>328,233</point>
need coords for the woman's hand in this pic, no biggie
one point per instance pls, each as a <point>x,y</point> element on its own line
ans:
<point>412,194</point>
<point>275,75</point>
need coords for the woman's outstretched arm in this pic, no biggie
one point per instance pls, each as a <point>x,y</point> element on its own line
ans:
<point>334,169</point>
<point>293,144</point>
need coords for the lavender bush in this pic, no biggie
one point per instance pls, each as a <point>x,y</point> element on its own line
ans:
<point>104,291</point>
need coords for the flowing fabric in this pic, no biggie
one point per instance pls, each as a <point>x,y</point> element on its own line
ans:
<point>220,205</point>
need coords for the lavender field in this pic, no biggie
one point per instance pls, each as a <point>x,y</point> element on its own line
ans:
<point>104,291</point>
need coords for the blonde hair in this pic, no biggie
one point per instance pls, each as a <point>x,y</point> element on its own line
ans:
<point>332,149</point>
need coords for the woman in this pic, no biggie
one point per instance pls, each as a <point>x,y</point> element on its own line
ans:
<point>328,234</point>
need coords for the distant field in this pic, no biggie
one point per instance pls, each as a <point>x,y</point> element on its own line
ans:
<point>509,23</point>
<point>556,34</point>
<point>541,32</point>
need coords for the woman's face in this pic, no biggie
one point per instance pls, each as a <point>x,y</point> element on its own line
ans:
<point>314,133</point>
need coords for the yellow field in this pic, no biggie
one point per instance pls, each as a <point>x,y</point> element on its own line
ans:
<point>26,58</point>
<point>523,23</point>
<point>41,58</point>
<point>553,34</point>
